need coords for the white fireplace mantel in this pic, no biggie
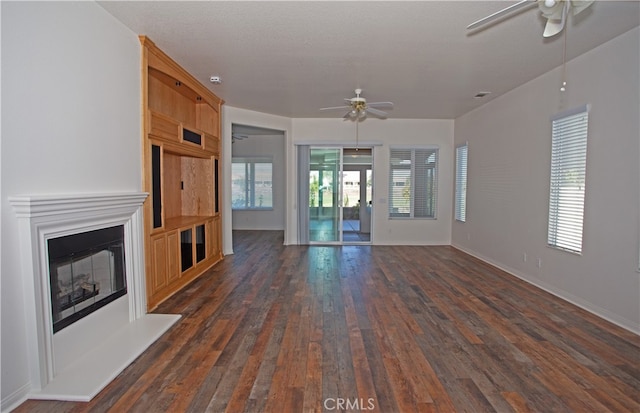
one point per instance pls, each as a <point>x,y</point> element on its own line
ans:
<point>52,360</point>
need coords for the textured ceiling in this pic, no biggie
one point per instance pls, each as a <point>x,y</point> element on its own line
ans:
<point>291,58</point>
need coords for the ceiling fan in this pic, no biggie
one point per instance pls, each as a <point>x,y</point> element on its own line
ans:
<point>358,108</point>
<point>555,11</point>
<point>237,137</point>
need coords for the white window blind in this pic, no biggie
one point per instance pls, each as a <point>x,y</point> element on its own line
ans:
<point>568,171</point>
<point>413,183</point>
<point>251,183</point>
<point>461,183</point>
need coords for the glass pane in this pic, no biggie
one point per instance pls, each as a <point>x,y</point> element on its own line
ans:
<point>239,188</point>
<point>186,249</point>
<point>461,183</point>
<point>263,186</point>
<point>351,189</point>
<point>400,183</point>
<point>87,271</point>
<point>324,208</point>
<point>369,187</point>
<point>216,179</point>
<point>425,190</point>
<point>365,214</point>
<point>356,212</point>
<point>400,196</point>
<point>200,243</point>
<point>156,186</point>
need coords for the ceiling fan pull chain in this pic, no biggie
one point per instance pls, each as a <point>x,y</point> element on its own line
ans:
<point>563,88</point>
<point>357,121</point>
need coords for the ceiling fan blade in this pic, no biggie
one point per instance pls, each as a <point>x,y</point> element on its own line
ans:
<point>380,104</point>
<point>580,5</point>
<point>336,107</point>
<point>500,13</point>
<point>555,26</point>
<point>237,137</point>
<point>376,113</point>
<point>348,115</point>
<point>552,28</point>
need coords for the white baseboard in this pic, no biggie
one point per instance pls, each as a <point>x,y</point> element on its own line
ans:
<point>15,399</point>
<point>577,301</point>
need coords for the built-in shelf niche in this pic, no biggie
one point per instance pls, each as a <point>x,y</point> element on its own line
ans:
<point>185,188</point>
<point>189,184</point>
<point>175,99</point>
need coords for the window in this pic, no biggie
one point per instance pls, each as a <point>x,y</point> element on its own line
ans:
<point>413,182</point>
<point>568,169</point>
<point>251,183</point>
<point>461,183</point>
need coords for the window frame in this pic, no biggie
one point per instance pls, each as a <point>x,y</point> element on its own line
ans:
<point>568,169</point>
<point>250,162</point>
<point>430,174</point>
<point>460,191</point>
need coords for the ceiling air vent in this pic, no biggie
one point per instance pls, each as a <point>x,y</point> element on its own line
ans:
<point>480,95</point>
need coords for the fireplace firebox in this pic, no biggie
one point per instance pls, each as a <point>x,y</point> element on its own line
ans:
<point>86,272</point>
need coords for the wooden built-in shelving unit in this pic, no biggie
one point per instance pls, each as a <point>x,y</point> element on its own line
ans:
<point>181,150</point>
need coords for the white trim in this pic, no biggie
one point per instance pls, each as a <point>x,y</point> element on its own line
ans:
<point>15,399</point>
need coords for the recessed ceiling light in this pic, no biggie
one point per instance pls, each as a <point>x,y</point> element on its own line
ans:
<point>480,95</point>
<point>216,80</point>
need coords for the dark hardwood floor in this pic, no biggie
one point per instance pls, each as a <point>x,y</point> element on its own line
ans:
<point>371,328</point>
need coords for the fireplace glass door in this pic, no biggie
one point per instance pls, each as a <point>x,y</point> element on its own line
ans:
<point>86,272</point>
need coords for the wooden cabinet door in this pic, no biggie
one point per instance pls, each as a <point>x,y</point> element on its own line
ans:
<point>211,238</point>
<point>173,255</point>
<point>158,258</point>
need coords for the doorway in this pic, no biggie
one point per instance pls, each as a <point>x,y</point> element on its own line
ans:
<point>258,178</point>
<point>340,193</point>
<point>357,194</point>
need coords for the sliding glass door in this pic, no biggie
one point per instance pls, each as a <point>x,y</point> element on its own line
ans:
<point>335,192</point>
<point>324,195</point>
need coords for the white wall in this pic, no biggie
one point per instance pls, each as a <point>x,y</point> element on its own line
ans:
<point>508,182</point>
<point>264,146</point>
<point>70,124</point>
<point>389,132</point>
